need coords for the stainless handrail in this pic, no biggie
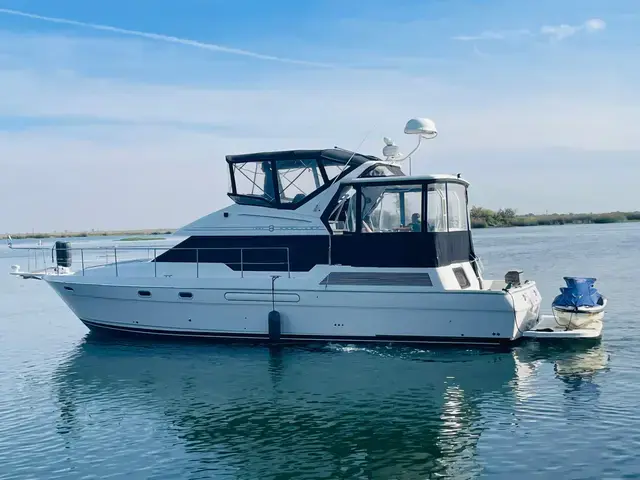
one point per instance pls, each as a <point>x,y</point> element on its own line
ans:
<point>165,249</point>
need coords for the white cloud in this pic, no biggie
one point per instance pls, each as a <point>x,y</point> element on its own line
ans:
<point>493,35</point>
<point>560,32</point>
<point>161,38</point>
<point>595,24</point>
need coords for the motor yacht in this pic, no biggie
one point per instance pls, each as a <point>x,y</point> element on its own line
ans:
<point>317,245</point>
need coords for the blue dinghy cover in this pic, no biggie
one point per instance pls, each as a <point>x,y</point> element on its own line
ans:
<point>579,292</point>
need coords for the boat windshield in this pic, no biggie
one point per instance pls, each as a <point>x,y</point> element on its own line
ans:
<point>392,208</point>
<point>400,208</point>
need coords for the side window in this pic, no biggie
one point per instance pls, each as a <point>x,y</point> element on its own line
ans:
<point>332,169</point>
<point>457,207</point>
<point>436,208</point>
<point>343,216</point>
<point>383,171</point>
<point>297,179</point>
<point>254,179</point>
<point>394,208</point>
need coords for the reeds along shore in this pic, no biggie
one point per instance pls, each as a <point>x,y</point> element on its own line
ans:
<point>93,233</point>
<point>485,218</point>
<point>480,218</point>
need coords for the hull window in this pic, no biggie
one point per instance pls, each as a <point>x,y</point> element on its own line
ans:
<point>144,293</point>
<point>185,295</point>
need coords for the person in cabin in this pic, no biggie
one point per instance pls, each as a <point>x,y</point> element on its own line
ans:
<point>415,225</point>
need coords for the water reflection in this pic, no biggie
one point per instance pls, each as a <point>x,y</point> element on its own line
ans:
<point>332,411</point>
<point>577,366</point>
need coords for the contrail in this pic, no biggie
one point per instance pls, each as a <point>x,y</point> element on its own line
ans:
<point>164,38</point>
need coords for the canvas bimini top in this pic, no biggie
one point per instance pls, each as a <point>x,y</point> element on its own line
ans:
<point>297,175</point>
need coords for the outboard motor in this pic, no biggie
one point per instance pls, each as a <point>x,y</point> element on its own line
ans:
<point>63,254</point>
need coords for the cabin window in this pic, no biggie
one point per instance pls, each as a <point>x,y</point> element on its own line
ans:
<point>457,207</point>
<point>391,208</point>
<point>383,171</point>
<point>297,179</point>
<point>436,207</point>
<point>332,169</point>
<point>343,217</point>
<point>254,179</point>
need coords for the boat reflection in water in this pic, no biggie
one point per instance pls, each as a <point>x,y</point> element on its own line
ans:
<point>332,411</point>
<point>577,367</point>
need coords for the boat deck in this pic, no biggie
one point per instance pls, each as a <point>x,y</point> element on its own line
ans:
<point>548,328</point>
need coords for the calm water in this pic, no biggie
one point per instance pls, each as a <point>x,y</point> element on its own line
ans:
<point>75,407</point>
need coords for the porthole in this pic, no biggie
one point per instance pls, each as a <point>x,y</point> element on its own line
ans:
<point>144,293</point>
<point>185,295</point>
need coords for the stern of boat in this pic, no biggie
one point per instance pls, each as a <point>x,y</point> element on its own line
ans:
<point>526,301</point>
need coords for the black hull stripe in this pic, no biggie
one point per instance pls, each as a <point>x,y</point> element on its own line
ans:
<point>288,338</point>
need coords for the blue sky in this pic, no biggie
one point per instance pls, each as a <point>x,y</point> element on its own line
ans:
<point>128,121</point>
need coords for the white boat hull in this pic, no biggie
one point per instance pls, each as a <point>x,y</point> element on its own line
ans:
<point>238,309</point>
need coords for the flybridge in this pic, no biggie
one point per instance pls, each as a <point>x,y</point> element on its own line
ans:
<point>296,175</point>
<point>287,179</point>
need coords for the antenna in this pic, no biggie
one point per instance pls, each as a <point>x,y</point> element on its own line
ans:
<point>354,152</point>
<point>423,127</point>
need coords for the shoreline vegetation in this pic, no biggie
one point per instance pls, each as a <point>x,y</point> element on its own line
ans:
<point>480,218</point>
<point>128,235</point>
<point>485,218</point>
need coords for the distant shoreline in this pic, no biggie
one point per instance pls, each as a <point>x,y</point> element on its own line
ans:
<point>480,218</point>
<point>95,233</point>
<point>485,218</point>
